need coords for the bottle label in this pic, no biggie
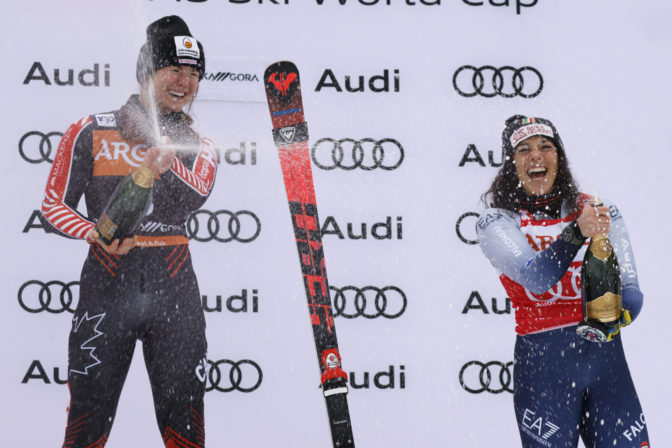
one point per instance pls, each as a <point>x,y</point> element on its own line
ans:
<point>143,177</point>
<point>606,308</point>
<point>106,227</point>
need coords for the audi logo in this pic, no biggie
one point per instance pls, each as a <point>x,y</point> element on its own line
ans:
<point>204,225</point>
<point>35,146</point>
<point>348,154</point>
<point>471,228</point>
<point>351,302</point>
<point>505,81</point>
<point>53,296</point>
<point>494,377</point>
<point>226,376</point>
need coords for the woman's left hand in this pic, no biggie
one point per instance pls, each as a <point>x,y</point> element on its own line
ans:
<point>594,220</point>
<point>116,248</point>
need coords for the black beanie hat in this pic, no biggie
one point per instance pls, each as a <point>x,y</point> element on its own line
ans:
<point>169,42</point>
<point>519,127</point>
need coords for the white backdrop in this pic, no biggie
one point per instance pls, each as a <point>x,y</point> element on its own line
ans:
<point>605,69</point>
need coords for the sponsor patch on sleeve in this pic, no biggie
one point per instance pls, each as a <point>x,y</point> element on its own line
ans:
<point>106,120</point>
<point>486,219</point>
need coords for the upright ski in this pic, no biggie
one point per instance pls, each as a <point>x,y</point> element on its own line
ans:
<point>290,133</point>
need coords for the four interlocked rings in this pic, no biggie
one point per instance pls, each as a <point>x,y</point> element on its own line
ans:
<point>235,376</point>
<point>44,146</point>
<point>380,302</point>
<point>484,377</point>
<point>371,158</point>
<point>36,300</point>
<point>213,226</point>
<point>516,82</point>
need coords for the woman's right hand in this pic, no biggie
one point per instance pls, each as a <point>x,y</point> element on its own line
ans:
<point>115,248</point>
<point>594,220</point>
<point>159,159</point>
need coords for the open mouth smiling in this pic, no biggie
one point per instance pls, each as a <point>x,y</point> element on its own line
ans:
<point>537,173</point>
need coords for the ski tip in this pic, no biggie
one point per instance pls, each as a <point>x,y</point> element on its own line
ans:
<point>282,65</point>
<point>282,81</point>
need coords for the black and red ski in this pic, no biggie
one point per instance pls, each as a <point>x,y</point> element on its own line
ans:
<point>290,133</point>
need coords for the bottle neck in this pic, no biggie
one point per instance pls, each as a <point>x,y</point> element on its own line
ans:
<point>600,246</point>
<point>143,176</point>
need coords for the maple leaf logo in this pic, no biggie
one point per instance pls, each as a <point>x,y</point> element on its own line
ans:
<point>87,327</point>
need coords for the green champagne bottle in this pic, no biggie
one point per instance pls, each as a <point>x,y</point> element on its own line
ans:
<point>127,206</point>
<point>601,291</point>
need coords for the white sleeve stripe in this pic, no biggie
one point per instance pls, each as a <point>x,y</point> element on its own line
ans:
<point>190,178</point>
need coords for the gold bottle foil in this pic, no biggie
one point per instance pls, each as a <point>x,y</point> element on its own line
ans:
<point>606,308</point>
<point>600,247</point>
<point>106,227</point>
<point>144,176</point>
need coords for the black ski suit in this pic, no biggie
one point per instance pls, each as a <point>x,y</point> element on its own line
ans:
<point>150,294</point>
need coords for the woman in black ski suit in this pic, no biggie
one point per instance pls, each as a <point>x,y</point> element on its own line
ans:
<point>143,287</point>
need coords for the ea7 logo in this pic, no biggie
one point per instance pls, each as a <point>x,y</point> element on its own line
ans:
<point>288,133</point>
<point>537,426</point>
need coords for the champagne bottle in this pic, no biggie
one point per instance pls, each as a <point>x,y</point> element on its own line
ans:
<point>601,291</point>
<point>127,206</point>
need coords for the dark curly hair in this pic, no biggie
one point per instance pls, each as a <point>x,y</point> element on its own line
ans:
<point>506,191</point>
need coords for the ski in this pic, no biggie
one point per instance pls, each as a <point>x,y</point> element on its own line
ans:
<point>290,133</point>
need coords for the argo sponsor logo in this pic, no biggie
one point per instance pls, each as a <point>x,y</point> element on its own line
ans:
<point>476,302</point>
<point>245,302</point>
<point>489,81</point>
<point>54,296</point>
<point>37,147</point>
<point>369,302</point>
<point>392,378</point>
<point>387,82</point>
<point>494,377</point>
<point>383,230</point>
<point>465,227</point>
<point>66,77</point>
<point>349,154</point>
<point>471,155</point>
<point>520,4</point>
<point>223,226</point>
<point>225,375</point>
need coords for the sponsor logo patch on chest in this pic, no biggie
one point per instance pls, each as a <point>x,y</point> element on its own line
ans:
<point>113,156</point>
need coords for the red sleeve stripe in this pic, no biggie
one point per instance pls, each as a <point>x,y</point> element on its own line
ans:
<point>54,209</point>
<point>202,176</point>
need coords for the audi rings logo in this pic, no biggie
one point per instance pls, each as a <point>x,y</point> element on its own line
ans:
<point>53,296</point>
<point>223,226</point>
<point>348,154</point>
<point>36,147</point>
<point>505,81</point>
<point>226,376</point>
<point>369,302</point>
<point>494,377</point>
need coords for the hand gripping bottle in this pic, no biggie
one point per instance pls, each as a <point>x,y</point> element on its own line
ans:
<point>127,206</point>
<point>601,292</point>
